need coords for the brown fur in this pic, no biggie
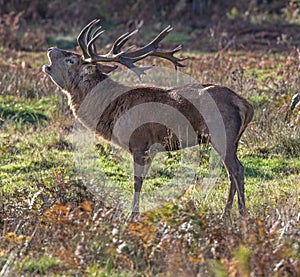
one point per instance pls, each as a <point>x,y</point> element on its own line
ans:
<point>82,83</point>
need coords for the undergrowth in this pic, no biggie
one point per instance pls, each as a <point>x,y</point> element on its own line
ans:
<point>54,224</point>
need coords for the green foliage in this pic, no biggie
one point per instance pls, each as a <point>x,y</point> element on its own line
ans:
<point>26,112</point>
<point>233,13</point>
<point>242,257</point>
<point>270,167</point>
<point>260,100</point>
<point>97,271</point>
<point>218,269</point>
<point>41,265</point>
<point>52,224</point>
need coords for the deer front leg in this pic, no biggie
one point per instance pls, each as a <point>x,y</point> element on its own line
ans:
<point>135,210</point>
<point>141,165</point>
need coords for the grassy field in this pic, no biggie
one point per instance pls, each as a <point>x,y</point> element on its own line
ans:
<point>53,224</point>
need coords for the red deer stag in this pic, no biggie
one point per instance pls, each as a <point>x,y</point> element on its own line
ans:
<point>212,113</point>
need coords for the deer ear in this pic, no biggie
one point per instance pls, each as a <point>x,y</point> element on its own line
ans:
<point>88,69</point>
<point>106,68</point>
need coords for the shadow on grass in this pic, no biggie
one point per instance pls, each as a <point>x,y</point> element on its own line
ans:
<point>21,116</point>
<point>257,173</point>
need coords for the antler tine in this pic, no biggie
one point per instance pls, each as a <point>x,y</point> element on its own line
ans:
<point>151,49</point>
<point>119,43</point>
<point>91,31</point>
<point>90,34</point>
<point>161,36</point>
<point>82,38</point>
<point>151,45</point>
<point>91,49</point>
<point>114,53</point>
<point>97,32</point>
<point>114,49</point>
<point>168,55</point>
<point>129,62</point>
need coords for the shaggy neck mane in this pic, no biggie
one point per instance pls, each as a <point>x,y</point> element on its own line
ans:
<point>79,89</point>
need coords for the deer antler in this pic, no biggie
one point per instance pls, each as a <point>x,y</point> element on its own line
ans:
<point>90,33</point>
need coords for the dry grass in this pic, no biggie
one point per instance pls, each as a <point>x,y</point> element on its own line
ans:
<point>52,225</point>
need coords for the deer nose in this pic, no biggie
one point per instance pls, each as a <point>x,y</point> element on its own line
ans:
<point>54,52</point>
<point>54,49</point>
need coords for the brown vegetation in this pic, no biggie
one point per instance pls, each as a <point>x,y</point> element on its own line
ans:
<point>210,25</point>
<point>51,225</point>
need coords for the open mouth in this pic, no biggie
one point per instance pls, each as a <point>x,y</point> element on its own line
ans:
<point>47,67</point>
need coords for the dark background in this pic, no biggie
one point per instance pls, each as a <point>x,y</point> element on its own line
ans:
<point>205,25</point>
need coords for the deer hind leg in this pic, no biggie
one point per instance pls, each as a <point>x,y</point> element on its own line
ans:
<point>235,172</point>
<point>141,165</point>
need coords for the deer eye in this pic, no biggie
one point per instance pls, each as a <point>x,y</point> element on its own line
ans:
<point>69,61</point>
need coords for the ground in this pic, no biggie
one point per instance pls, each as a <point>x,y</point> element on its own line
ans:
<point>53,224</point>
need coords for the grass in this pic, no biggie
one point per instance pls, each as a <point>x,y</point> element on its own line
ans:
<point>64,214</point>
<point>39,266</point>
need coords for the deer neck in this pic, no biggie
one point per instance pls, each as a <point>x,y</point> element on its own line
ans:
<point>101,86</point>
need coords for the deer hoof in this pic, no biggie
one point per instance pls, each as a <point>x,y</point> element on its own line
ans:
<point>133,216</point>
